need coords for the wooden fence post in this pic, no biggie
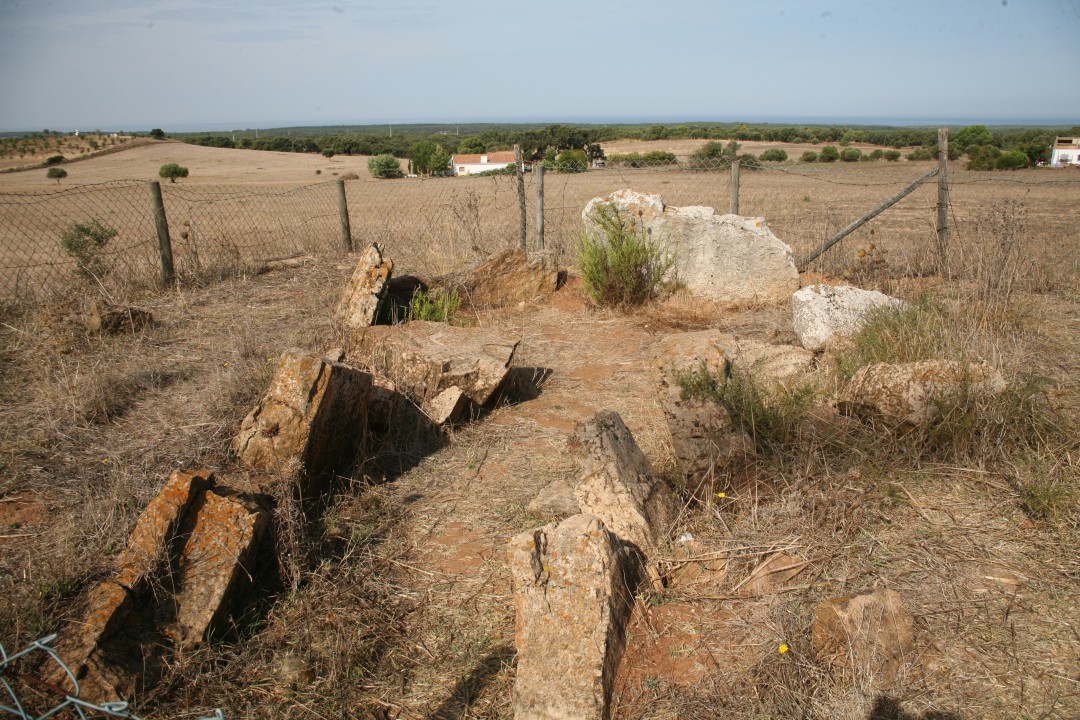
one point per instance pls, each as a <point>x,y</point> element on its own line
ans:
<point>162,227</point>
<point>943,195</point>
<point>343,211</point>
<point>521,196</point>
<point>735,186</point>
<point>539,206</point>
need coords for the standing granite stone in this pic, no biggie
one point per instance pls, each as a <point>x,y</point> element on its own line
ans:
<point>359,306</point>
<point>572,593</point>
<point>724,258</point>
<point>309,423</point>
<point>618,484</point>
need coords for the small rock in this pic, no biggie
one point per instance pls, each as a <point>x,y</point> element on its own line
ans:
<point>776,572</point>
<point>114,319</point>
<point>556,498</point>
<point>573,589</point>
<point>870,634</point>
<point>823,314</point>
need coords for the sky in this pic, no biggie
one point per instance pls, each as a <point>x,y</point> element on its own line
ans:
<point>235,64</point>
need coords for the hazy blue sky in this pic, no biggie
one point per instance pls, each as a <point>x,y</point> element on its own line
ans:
<point>136,64</point>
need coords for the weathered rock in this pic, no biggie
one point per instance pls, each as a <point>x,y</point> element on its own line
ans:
<point>113,319</point>
<point>724,258</point>
<point>572,593</point>
<point>424,359</point>
<point>912,394</point>
<point>309,423</point>
<point>679,353</point>
<point>822,314</point>
<point>776,572</point>
<point>556,498</point>
<point>618,484</point>
<point>360,302</point>
<point>695,564</point>
<point>189,554</point>
<point>870,634</point>
<point>509,278</point>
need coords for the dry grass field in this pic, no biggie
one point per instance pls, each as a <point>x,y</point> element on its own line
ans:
<point>401,606</point>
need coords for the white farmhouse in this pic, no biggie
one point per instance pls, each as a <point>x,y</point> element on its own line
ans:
<point>1066,152</point>
<point>472,164</point>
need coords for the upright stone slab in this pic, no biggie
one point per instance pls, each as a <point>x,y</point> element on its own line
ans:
<point>823,314</point>
<point>188,556</point>
<point>724,258</point>
<point>310,421</point>
<point>359,305</point>
<point>512,276</point>
<point>572,593</point>
<point>618,484</point>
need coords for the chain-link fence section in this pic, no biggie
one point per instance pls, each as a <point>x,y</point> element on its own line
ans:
<point>433,225</point>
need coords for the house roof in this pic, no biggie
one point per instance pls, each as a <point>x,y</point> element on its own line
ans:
<point>1067,142</point>
<point>492,157</point>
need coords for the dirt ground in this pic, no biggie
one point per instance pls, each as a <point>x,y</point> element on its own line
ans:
<point>404,607</point>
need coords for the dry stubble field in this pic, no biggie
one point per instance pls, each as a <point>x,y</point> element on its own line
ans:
<point>402,607</point>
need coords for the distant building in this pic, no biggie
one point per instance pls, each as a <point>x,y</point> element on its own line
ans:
<point>473,164</point>
<point>1066,152</point>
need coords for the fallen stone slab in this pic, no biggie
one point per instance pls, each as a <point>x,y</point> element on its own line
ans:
<point>723,258</point>
<point>824,314</point>
<point>718,352</point>
<point>511,277</point>
<point>573,586</point>
<point>912,394</point>
<point>870,635</point>
<point>359,305</point>
<point>556,498</point>
<point>618,484</point>
<point>310,422</point>
<point>424,360</point>
<point>190,554</point>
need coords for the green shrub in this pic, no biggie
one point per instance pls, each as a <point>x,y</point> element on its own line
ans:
<point>851,154</point>
<point>436,305</point>
<point>808,156</point>
<point>54,160</point>
<point>918,331</point>
<point>56,174</point>
<point>1012,160</point>
<point>892,155</point>
<point>768,415</point>
<point>774,155</point>
<point>983,157</point>
<point>84,243</point>
<point>625,266</point>
<point>572,161</point>
<point>922,153</point>
<point>829,154</point>
<point>328,153</point>
<point>654,158</point>
<point>171,171</point>
<point>877,154</point>
<point>157,134</point>
<point>384,166</point>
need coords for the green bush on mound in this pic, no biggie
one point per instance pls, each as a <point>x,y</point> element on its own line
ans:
<point>622,266</point>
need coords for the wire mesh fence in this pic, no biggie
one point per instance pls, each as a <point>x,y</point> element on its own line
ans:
<point>433,225</point>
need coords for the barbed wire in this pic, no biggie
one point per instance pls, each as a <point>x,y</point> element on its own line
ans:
<point>71,702</point>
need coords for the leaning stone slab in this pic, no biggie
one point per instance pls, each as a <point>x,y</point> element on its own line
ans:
<point>511,277</point>
<point>870,635</point>
<point>309,423</point>
<point>618,484</point>
<point>912,394</point>
<point>724,258</point>
<point>190,553</point>
<point>425,359</point>
<point>572,594</point>
<point>359,305</point>
<point>113,319</point>
<point>823,314</point>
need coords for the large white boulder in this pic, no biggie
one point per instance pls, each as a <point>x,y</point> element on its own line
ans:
<point>724,258</point>
<point>822,314</point>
